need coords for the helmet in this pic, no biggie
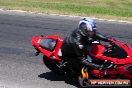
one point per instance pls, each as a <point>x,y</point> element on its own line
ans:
<point>87,25</point>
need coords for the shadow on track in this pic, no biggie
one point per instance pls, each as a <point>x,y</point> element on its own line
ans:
<point>54,77</point>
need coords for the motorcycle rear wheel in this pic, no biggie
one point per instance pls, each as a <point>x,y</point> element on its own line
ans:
<point>52,65</point>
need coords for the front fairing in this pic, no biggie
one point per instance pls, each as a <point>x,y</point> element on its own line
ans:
<point>96,49</point>
<point>97,52</point>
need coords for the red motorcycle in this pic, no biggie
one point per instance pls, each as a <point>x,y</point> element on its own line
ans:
<point>116,58</point>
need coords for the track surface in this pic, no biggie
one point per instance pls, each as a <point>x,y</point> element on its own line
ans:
<point>19,68</point>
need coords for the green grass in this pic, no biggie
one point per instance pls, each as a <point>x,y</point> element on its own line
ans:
<point>117,9</point>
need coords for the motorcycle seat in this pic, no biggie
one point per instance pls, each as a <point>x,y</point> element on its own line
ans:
<point>48,44</point>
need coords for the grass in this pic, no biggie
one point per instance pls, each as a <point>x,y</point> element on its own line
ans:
<point>109,9</point>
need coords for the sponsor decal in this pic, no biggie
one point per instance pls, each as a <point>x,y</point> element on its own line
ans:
<point>111,82</point>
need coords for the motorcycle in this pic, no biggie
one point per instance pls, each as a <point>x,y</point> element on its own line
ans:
<point>116,58</point>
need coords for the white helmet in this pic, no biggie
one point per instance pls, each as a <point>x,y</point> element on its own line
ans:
<point>86,25</point>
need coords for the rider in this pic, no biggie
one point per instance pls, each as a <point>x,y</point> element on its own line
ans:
<point>76,43</point>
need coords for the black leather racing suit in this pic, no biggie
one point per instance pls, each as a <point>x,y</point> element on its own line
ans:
<point>74,54</point>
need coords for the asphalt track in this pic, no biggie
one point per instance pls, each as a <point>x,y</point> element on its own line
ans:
<point>19,68</point>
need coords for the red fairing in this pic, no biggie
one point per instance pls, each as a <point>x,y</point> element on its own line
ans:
<point>35,40</point>
<point>127,48</point>
<point>58,45</point>
<point>53,55</point>
<point>98,49</point>
<point>36,43</point>
<point>121,63</point>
